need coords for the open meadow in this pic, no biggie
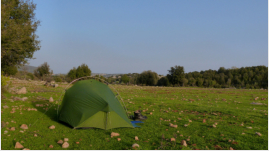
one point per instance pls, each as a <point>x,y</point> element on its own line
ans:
<point>206,119</point>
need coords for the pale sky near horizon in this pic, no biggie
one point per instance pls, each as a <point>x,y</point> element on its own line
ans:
<point>136,35</point>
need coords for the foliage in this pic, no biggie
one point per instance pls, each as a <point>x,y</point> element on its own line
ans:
<point>125,78</point>
<point>9,70</point>
<point>81,71</point>
<point>176,75</point>
<point>72,74</point>
<point>42,70</point>
<point>148,78</point>
<point>4,81</point>
<point>30,75</point>
<point>18,27</point>
<point>163,82</point>
<point>57,79</point>
<point>245,77</point>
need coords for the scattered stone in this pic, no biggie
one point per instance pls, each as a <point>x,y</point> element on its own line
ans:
<point>5,107</point>
<point>24,126</point>
<point>256,98</point>
<point>119,139</point>
<point>5,132</point>
<point>60,142</point>
<point>214,126</point>
<point>204,120</point>
<point>249,127</point>
<point>17,99</point>
<point>135,145</point>
<point>18,145</point>
<point>255,103</point>
<point>190,120</point>
<point>77,142</point>
<point>24,98</point>
<point>52,127</point>
<point>172,139</point>
<point>51,100</point>
<point>179,118</point>
<point>66,139</point>
<point>183,142</point>
<point>35,135</point>
<point>172,125</point>
<point>186,125</point>
<point>188,139</point>
<point>242,124</point>
<point>114,134</point>
<point>257,133</point>
<point>22,131</point>
<point>26,149</point>
<point>243,133</point>
<point>22,91</point>
<point>12,128</point>
<point>136,138</point>
<point>231,148</point>
<point>3,124</point>
<point>51,146</point>
<point>181,135</point>
<point>150,113</point>
<point>65,145</point>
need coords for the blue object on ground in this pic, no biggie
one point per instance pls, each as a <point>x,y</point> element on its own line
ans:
<point>134,123</point>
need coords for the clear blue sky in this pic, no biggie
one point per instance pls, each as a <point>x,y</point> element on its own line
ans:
<point>131,36</point>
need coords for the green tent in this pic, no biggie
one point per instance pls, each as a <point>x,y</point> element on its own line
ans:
<point>90,103</point>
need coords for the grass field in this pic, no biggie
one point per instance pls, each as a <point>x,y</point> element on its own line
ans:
<point>194,110</point>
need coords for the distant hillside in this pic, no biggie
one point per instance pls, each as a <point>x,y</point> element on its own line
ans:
<point>27,68</point>
<point>106,75</point>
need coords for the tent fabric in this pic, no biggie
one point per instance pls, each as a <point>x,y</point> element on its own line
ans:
<point>90,103</point>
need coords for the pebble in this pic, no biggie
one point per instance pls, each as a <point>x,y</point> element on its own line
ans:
<point>52,127</point>
<point>60,142</point>
<point>257,133</point>
<point>172,139</point>
<point>135,145</point>
<point>66,139</point>
<point>18,145</point>
<point>114,134</point>
<point>136,138</point>
<point>24,126</point>
<point>65,145</point>
<point>119,139</point>
<point>183,142</point>
<point>51,146</point>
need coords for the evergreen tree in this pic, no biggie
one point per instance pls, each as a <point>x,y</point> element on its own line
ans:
<point>18,27</point>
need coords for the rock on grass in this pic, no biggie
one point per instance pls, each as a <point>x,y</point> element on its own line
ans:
<point>135,145</point>
<point>114,134</point>
<point>60,142</point>
<point>257,133</point>
<point>24,126</point>
<point>52,127</point>
<point>65,145</point>
<point>18,145</point>
<point>183,142</point>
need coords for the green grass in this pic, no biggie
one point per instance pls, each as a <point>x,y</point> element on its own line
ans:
<point>168,103</point>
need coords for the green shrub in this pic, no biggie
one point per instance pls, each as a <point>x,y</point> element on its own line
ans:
<point>10,70</point>
<point>57,79</point>
<point>30,76</point>
<point>4,81</point>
